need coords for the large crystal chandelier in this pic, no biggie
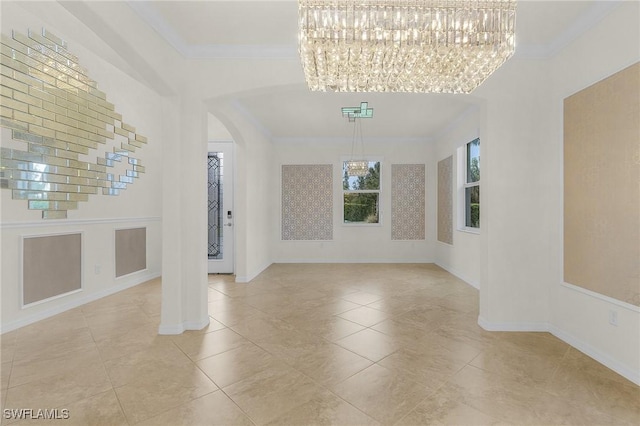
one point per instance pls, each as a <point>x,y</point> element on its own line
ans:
<point>441,46</point>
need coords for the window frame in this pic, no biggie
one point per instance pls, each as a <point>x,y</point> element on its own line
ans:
<point>362,191</point>
<point>463,174</point>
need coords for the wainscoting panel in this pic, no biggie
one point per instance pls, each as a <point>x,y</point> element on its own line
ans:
<point>445,200</point>
<point>51,266</point>
<point>131,250</point>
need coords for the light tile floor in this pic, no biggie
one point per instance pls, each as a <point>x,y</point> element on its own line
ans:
<point>305,345</point>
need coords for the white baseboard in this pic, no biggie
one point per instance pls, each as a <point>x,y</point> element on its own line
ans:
<point>173,329</point>
<point>473,283</point>
<point>585,348</point>
<point>315,260</point>
<point>513,326</point>
<point>248,278</point>
<point>47,313</point>
<point>602,358</point>
<point>170,330</point>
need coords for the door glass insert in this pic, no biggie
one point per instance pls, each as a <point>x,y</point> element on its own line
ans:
<point>215,170</point>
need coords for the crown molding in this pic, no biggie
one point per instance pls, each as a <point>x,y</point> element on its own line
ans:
<point>150,15</point>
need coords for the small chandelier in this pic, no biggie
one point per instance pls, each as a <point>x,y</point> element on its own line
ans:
<point>357,167</point>
<point>438,46</point>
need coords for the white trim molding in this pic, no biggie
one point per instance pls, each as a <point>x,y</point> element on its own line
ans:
<point>248,278</point>
<point>602,358</point>
<point>585,348</point>
<point>383,261</point>
<point>67,222</point>
<point>473,283</point>
<point>173,329</point>
<point>30,319</point>
<point>602,297</point>
<point>513,326</point>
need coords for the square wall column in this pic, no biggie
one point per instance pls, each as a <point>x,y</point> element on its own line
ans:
<point>184,225</point>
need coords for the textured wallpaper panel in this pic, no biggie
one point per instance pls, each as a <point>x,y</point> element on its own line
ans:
<point>601,181</point>
<point>307,202</point>
<point>51,266</point>
<point>407,202</point>
<point>445,200</point>
<point>131,250</point>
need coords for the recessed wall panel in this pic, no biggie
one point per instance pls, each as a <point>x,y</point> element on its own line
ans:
<point>307,202</point>
<point>445,200</point>
<point>51,266</point>
<point>407,202</point>
<point>601,181</point>
<point>131,250</point>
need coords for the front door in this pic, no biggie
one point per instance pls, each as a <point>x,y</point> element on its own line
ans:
<point>220,208</point>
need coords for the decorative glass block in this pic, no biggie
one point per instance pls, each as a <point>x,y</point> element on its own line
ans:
<point>53,108</point>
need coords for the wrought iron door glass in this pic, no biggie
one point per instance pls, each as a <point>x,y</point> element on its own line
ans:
<point>215,178</point>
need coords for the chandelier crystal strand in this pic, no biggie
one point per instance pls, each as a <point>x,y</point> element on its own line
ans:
<point>358,167</point>
<point>440,46</point>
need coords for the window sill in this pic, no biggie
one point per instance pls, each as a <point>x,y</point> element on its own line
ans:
<point>468,230</point>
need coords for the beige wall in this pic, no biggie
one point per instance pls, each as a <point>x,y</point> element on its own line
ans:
<point>601,177</point>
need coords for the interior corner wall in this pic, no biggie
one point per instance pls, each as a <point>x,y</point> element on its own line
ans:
<point>137,206</point>
<point>463,257</point>
<point>253,184</point>
<point>354,243</point>
<point>521,285</point>
<point>579,316</point>
<point>518,191</point>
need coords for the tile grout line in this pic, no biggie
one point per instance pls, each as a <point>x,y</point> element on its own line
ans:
<point>305,375</point>
<point>102,362</point>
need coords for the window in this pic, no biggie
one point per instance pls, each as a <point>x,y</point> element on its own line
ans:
<point>361,195</point>
<point>472,185</point>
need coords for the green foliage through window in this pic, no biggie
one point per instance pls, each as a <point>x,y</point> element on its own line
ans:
<point>362,195</point>
<point>472,185</point>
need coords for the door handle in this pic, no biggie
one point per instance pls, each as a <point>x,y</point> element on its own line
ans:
<point>228,224</point>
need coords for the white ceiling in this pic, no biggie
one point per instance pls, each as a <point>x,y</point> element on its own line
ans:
<point>231,22</point>
<point>244,29</point>
<point>300,113</point>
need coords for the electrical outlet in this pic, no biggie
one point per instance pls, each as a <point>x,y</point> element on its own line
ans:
<point>97,269</point>
<point>613,317</point>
